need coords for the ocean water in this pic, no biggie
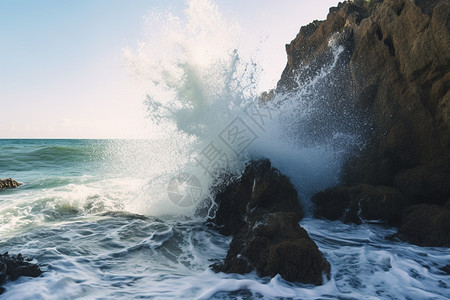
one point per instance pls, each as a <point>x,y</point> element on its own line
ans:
<point>125,219</point>
<point>74,215</point>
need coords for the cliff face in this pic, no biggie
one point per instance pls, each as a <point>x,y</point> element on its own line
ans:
<point>396,74</point>
<point>401,66</point>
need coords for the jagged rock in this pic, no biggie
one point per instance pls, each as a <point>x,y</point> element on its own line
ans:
<point>445,269</point>
<point>401,66</point>
<point>276,245</point>
<point>8,183</point>
<point>260,187</point>
<point>262,211</point>
<point>426,225</point>
<point>360,203</point>
<point>12,267</point>
<point>393,76</point>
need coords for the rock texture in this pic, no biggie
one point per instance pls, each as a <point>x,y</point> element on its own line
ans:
<point>426,225</point>
<point>394,77</point>
<point>360,203</point>
<point>261,210</point>
<point>12,267</point>
<point>8,183</point>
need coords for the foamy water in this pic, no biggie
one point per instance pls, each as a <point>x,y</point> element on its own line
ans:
<point>79,228</point>
<point>106,219</point>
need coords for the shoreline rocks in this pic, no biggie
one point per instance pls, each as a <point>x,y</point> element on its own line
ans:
<point>261,210</point>
<point>8,183</point>
<point>426,225</point>
<point>14,266</point>
<point>396,67</point>
<point>360,203</point>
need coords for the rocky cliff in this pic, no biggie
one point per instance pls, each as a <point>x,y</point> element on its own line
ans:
<point>389,84</point>
<point>394,78</point>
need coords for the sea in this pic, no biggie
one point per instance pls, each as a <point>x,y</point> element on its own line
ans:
<point>128,218</point>
<point>88,223</point>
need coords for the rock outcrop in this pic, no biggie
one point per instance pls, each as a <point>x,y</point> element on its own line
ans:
<point>360,203</point>
<point>12,267</point>
<point>393,76</point>
<point>8,183</point>
<point>261,210</point>
<point>426,225</point>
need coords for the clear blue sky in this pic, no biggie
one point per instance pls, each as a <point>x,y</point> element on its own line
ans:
<point>62,72</point>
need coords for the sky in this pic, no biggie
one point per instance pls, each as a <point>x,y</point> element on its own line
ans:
<point>62,67</point>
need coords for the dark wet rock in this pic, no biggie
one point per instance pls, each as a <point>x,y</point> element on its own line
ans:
<point>445,269</point>
<point>394,77</point>
<point>428,183</point>
<point>260,188</point>
<point>311,46</point>
<point>276,245</point>
<point>360,203</point>
<point>8,183</point>
<point>400,68</point>
<point>261,210</point>
<point>426,225</point>
<point>14,266</point>
<point>311,54</point>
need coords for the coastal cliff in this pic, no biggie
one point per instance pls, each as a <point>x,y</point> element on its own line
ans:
<point>389,85</point>
<point>394,78</point>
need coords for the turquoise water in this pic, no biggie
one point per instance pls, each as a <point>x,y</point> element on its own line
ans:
<point>80,213</point>
<point>33,158</point>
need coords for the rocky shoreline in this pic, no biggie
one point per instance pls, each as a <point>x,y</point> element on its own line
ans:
<point>394,78</point>
<point>396,64</point>
<point>394,75</point>
<point>261,211</point>
<point>14,266</point>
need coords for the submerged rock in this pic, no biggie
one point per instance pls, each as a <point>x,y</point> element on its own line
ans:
<point>445,269</point>
<point>12,267</point>
<point>8,183</point>
<point>124,214</point>
<point>261,210</point>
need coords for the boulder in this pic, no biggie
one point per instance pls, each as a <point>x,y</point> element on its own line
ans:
<point>427,183</point>
<point>261,210</point>
<point>360,203</point>
<point>8,183</point>
<point>12,267</point>
<point>260,187</point>
<point>426,225</point>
